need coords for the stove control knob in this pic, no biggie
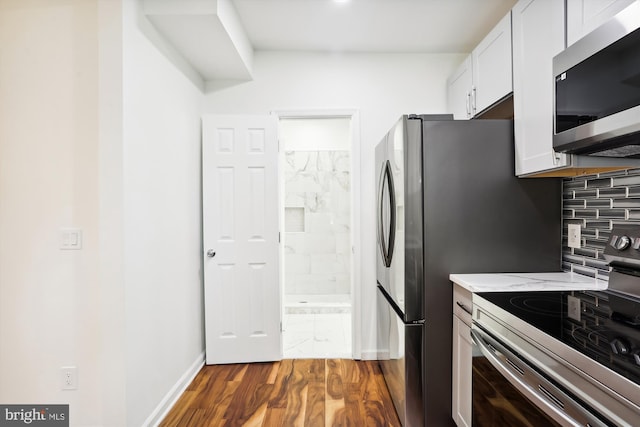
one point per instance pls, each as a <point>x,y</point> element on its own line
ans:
<point>636,356</point>
<point>636,243</point>
<point>620,346</point>
<point>622,243</point>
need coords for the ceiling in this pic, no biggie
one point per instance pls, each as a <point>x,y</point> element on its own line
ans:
<point>218,37</point>
<point>431,26</point>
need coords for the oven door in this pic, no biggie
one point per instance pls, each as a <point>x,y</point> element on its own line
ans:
<point>508,390</point>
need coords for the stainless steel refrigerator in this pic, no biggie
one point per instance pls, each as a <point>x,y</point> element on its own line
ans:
<point>448,202</point>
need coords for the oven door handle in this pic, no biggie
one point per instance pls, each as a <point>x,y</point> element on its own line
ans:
<point>565,410</point>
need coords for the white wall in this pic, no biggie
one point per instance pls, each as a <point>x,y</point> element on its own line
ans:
<point>381,87</point>
<point>112,351</point>
<point>49,298</point>
<point>97,131</point>
<point>162,221</point>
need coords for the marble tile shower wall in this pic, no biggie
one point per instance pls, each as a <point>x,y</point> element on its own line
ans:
<point>317,222</point>
<point>596,203</point>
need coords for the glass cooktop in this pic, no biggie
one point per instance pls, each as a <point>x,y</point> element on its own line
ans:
<point>600,324</point>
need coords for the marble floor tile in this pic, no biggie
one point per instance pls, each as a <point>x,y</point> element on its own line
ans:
<point>317,335</point>
<point>299,323</point>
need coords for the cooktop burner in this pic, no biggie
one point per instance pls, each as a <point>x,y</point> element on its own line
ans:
<point>542,305</point>
<point>597,331</point>
<point>603,325</point>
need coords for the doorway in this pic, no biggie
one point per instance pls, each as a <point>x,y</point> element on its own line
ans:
<point>316,187</point>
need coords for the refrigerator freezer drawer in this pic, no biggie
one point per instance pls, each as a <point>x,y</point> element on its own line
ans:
<point>400,356</point>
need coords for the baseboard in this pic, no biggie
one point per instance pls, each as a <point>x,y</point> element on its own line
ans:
<point>174,394</point>
<point>369,354</point>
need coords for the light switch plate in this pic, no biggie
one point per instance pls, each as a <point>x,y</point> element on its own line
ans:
<point>70,238</point>
<point>574,236</point>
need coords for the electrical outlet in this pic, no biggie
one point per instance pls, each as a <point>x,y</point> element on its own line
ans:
<point>69,378</point>
<point>573,235</point>
<point>573,309</point>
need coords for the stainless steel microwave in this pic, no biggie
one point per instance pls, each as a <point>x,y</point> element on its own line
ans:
<point>597,90</point>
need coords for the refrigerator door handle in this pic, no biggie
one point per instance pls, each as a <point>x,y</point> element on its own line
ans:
<point>392,207</point>
<point>379,228</point>
<point>386,247</point>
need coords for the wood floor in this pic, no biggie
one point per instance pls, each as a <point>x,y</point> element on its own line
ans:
<point>293,392</point>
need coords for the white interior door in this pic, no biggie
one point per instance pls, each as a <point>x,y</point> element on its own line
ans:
<point>240,226</point>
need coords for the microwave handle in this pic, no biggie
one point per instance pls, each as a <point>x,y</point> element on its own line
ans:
<point>545,395</point>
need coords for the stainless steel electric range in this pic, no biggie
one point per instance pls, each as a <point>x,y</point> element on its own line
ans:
<point>574,355</point>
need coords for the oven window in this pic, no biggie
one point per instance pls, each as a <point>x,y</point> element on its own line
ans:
<point>601,85</point>
<point>497,403</point>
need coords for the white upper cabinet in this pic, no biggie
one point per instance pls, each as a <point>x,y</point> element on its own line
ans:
<point>533,52</point>
<point>485,76</point>
<point>583,16</point>
<point>533,89</point>
<point>492,72</point>
<point>459,90</point>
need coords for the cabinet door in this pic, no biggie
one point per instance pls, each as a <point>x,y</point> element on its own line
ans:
<point>492,72</point>
<point>583,16</point>
<point>462,374</point>
<point>533,51</point>
<point>459,91</point>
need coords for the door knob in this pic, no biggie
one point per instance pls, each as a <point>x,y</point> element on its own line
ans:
<point>211,253</point>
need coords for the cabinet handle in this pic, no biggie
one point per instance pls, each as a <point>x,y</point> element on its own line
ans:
<point>464,307</point>
<point>473,105</point>
<point>556,157</point>
<point>468,104</point>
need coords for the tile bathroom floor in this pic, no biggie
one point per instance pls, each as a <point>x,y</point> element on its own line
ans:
<point>317,335</point>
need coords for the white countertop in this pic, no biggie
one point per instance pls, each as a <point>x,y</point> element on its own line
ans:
<point>501,282</point>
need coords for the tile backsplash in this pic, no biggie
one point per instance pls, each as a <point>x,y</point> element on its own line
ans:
<point>596,203</point>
